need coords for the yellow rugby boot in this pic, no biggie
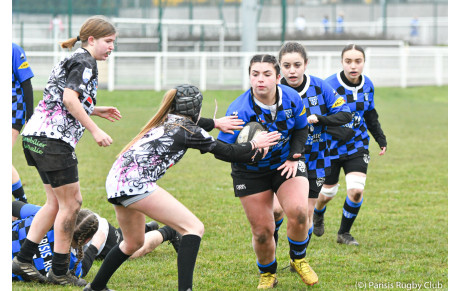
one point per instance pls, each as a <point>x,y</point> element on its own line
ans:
<point>267,281</point>
<point>304,270</point>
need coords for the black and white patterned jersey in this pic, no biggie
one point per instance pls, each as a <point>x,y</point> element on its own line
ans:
<point>360,99</point>
<point>51,118</point>
<point>320,99</point>
<point>137,170</point>
<point>21,72</point>
<point>290,115</point>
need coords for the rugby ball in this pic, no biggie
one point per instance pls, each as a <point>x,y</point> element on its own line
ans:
<point>249,131</point>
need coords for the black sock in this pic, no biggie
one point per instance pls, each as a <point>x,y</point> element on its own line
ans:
<point>349,213</point>
<point>111,263</point>
<point>18,192</point>
<point>268,268</point>
<point>298,249</point>
<point>186,258</point>
<point>310,231</point>
<point>167,232</point>
<point>27,251</point>
<point>60,263</point>
<point>277,227</point>
<point>320,212</point>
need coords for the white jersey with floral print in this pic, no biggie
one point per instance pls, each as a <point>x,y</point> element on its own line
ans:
<point>137,170</point>
<point>51,118</point>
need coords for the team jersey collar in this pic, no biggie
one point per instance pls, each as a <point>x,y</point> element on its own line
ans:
<point>257,105</point>
<point>302,88</point>
<point>350,86</point>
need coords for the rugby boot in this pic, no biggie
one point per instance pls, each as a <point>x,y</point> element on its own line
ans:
<point>174,237</point>
<point>27,271</point>
<point>152,225</point>
<point>346,239</point>
<point>267,281</point>
<point>67,279</point>
<point>89,288</point>
<point>304,270</point>
<point>318,224</point>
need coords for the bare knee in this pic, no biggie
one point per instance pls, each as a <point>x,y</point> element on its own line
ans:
<point>130,246</point>
<point>262,234</point>
<point>356,195</point>
<point>278,213</point>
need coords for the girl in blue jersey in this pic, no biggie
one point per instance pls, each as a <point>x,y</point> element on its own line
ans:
<point>22,104</point>
<point>282,171</point>
<point>324,108</point>
<point>132,181</point>
<point>49,141</point>
<point>351,154</point>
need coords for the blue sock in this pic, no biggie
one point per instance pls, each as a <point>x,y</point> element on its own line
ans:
<point>277,227</point>
<point>18,192</point>
<point>270,267</point>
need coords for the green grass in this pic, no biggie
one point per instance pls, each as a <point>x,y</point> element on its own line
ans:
<point>402,225</point>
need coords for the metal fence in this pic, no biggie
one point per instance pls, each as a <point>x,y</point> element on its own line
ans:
<point>387,67</point>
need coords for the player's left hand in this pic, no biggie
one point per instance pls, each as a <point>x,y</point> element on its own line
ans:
<point>289,167</point>
<point>107,112</point>
<point>228,124</point>
<point>384,149</point>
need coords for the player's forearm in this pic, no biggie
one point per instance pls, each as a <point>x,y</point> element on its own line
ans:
<point>28,97</point>
<point>75,108</point>
<point>337,119</point>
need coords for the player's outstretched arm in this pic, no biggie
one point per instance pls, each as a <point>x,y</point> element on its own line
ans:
<point>108,112</point>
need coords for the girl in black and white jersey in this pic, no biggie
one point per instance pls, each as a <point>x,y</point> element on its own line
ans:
<point>49,141</point>
<point>131,183</point>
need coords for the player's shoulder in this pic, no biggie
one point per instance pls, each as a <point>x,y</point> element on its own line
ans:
<point>367,81</point>
<point>288,93</point>
<point>241,103</point>
<point>82,57</point>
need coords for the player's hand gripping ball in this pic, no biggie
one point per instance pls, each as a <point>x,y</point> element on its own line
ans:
<point>249,132</point>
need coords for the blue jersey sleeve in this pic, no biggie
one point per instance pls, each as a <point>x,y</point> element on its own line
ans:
<point>21,68</point>
<point>29,210</point>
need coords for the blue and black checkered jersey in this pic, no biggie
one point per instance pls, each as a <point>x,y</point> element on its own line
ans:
<point>320,99</point>
<point>21,72</point>
<point>359,99</point>
<point>44,253</point>
<point>290,115</point>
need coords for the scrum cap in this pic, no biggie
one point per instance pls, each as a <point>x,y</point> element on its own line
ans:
<point>188,101</point>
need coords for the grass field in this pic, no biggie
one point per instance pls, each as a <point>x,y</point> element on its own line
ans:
<point>402,225</point>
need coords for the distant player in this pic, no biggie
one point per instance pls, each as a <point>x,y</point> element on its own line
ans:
<point>352,155</point>
<point>23,102</point>
<point>282,171</point>
<point>324,108</point>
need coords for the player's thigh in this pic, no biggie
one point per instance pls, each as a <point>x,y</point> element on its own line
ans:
<point>293,196</point>
<point>14,135</point>
<point>165,208</point>
<point>259,210</point>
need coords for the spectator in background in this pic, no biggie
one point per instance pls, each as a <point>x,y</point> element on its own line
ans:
<point>414,29</point>
<point>22,103</point>
<point>300,24</point>
<point>56,22</point>
<point>326,24</point>
<point>339,29</point>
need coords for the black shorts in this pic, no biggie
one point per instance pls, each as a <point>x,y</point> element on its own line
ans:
<point>355,163</point>
<point>246,183</point>
<point>315,187</point>
<point>54,159</point>
<point>17,126</point>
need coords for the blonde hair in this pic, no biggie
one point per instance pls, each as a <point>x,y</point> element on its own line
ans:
<point>85,227</point>
<point>157,119</point>
<point>97,26</point>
